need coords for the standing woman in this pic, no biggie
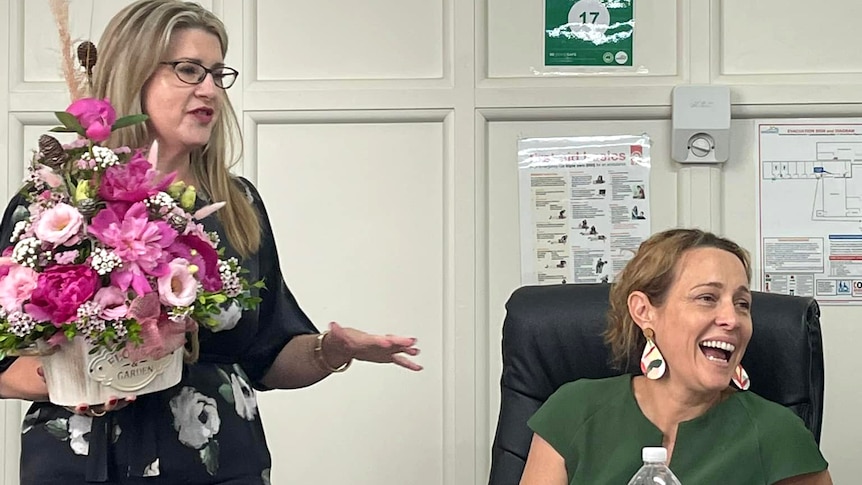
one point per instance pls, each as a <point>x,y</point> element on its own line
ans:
<point>165,58</point>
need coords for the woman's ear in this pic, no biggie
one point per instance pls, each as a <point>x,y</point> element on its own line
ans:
<point>640,308</point>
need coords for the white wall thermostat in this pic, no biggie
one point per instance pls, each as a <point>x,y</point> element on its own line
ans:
<point>701,124</point>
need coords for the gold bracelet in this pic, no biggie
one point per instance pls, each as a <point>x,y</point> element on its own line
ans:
<point>321,360</point>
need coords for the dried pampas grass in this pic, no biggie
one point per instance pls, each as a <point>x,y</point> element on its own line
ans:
<point>77,81</point>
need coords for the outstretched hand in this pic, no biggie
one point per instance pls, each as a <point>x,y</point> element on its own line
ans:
<point>344,343</point>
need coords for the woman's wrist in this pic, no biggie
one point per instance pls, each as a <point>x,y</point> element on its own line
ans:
<point>328,356</point>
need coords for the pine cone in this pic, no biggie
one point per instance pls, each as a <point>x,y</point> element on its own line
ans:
<point>52,151</point>
<point>178,222</point>
<point>87,55</point>
<point>87,207</point>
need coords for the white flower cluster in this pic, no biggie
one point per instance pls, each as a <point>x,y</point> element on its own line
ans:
<point>105,261</point>
<point>230,277</point>
<point>179,313</point>
<point>20,228</point>
<point>103,157</point>
<point>26,252</point>
<point>21,324</point>
<point>89,322</point>
<point>214,238</point>
<point>161,203</point>
<point>33,178</point>
<point>120,329</point>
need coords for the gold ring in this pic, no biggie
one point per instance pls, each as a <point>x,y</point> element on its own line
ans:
<point>98,415</point>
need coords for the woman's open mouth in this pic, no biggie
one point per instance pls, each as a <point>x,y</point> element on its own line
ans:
<point>717,351</point>
<point>203,115</point>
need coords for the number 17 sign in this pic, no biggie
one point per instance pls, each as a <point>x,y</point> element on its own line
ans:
<point>589,32</point>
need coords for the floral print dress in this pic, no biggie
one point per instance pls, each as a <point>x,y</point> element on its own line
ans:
<point>205,430</point>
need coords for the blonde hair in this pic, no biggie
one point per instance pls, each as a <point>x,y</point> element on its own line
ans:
<point>653,271</point>
<point>130,50</point>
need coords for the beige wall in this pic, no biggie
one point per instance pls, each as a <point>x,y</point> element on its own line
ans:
<point>385,149</point>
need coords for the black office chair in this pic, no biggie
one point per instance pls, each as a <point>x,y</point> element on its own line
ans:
<point>553,335</point>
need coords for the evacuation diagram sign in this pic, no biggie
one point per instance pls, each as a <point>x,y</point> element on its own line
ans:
<point>810,208</point>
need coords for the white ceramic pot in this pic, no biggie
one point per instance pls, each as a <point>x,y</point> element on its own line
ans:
<point>76,376</point>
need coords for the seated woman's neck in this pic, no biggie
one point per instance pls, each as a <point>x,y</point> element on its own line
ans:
<point>666,404</point>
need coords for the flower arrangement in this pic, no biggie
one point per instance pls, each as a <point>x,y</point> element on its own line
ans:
<point>110,249</point>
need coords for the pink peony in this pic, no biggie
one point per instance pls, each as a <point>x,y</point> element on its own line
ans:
<point>200,253</point>
<point>139,242</point>
<point>178,288</point>
<point>16,286</point>
<point>60,290</point>
<point>58,224</point>
<point>113,303</point>
<point>95,115</point>
<point>6,264</point>
<point>133,181</point>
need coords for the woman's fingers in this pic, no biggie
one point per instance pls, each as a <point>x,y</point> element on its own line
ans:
<point>98,410</point>
<point>406,363</point>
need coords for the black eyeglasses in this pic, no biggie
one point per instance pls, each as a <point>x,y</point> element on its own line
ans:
<point>191,72</point>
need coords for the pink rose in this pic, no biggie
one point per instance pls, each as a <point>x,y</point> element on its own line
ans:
<point>58,224</point>
<point>60,290</point>
<point>113,303</point>
<point>133,181</point>
<point>178,287</point>
<point>16,286</point>
<point>96,116</point>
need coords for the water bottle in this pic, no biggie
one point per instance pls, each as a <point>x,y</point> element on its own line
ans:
<point>655,470</point>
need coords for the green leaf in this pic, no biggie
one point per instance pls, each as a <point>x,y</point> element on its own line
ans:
<point>58,428</point>
<point>224,375</point>
<point>209,456</point>
<point>226,392</point>
<point>62,129</point>
<point>129,121</point>
<point>69,121</point>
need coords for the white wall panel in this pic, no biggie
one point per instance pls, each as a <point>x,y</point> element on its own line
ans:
<point>38,48</point>
<point>358,210</point>
<point>780,37</point>
<point>375,39</point>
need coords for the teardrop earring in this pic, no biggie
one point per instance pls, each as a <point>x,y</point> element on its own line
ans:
<point>652,362</point>
<point>740,378</point>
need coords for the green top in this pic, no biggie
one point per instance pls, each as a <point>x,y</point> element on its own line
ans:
<point>599,429</point>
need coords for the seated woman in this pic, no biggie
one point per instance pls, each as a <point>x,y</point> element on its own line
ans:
<point>683,301</point>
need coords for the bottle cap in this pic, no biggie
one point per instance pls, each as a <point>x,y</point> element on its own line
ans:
<point>654,454</point>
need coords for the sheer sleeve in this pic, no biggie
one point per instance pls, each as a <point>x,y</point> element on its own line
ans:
<point>6,228</point>
<point>280,317</point>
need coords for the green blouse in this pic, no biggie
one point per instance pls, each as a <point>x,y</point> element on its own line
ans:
<point>599,429</point>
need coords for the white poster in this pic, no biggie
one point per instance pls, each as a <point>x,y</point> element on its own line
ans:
<point>584,206</point>
<point>810,208</point>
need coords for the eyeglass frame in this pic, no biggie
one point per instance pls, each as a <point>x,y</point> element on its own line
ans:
<point>207,70</point>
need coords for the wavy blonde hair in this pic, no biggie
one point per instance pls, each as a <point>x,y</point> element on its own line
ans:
<point>653,271</point>
<point>133,44</point>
